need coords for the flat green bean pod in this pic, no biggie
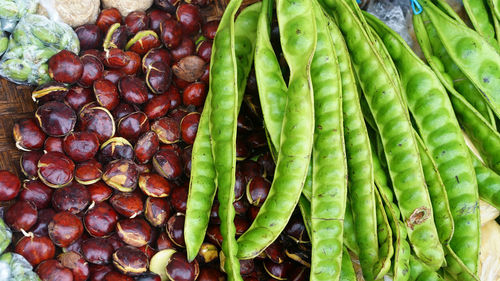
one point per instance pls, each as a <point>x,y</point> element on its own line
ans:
<point>397,136</point>
<point>481,20</point>
<point>488,182</point>
<point>360,170</point>
<point>384,234</point>
<point>222,127</point>
<point>420,272</point>
<point>349,232</point>
<point>347,272</point>
<point>298,41</point>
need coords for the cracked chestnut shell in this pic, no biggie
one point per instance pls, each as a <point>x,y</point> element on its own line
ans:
<point>156,211</point>
<point>143,41</point>
<point>51,91</point>
<point>137,21</point>
<point>122,175</point>
<point>130,260</point>
<point>154,185</point>
<point>76,263</point>
<point>167,129</point>
<point>98,120</point>
<point>128,204</point>
<point>28,163</point>
<point>134,232</point>
<point>106,94</point>
<point>189,127</point>
<point>56,169</point>
<point>56,118</point>
<point>116,148</point>
<point>168,164</point>
<point>37,193</point>
<point>175,229</point>
<point>179,269</point>
<point>133,125</point>
<point>171,33</point>
<point>88,172</point>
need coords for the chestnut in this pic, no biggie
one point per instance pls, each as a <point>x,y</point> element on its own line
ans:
<point>211,274</point>
<point>98,272</point>
<point>189,127</point>
<point>114,75</point>
<point>56,118</point>
<point>116,37</point>
<point>156,55</point>
<point>28,135</point>
<point>278,271</point>
<point>92,70</point>
<point>136,21</point>
<point>149,276</point>
<point>123,109</point>
<point>175,97</point>
<point>117,276</point>
<point>51,91</point>
<point>133,125</point>
<point>99,192</point>
<point>214,235</point>
<point>179,269</point>
<point>296,230</point>
<point>107,17</point>
<point>239,186</point>
<point>98,120</point>
<point>44,218</point>
<point>175,229</point>
<point>214,212</point>
<point>208,253</point>
<point>171,33</point>
<point>115,58</point>
<point>205,76</point>
<point>73,198</point>
<point>186,158</point>
<point>167,5</point>
<point>167,129</point>
<point>204,50</point>
<point>134,64</point>
<point>54,144</point>
<point>88,172</point>
<point>156,211</point>
<point>240,206</point>
<point>178,198</point>
<point>133,90</point>
<point>90,36</point>
<point>174,147</point>
<point>35,249</point>
<point>266,161</point>
<point>115,241</point>
<point>257,190</point>
<point>189,68</point>
<point>247,266</point>
<point>163,242</point>
<point>154,185</point>
<point>81,146</point>
<point>106,94</point>
<point>168,164</point>
<point>76,263</point>
<point>122,175</point>
<point>52,270</point>
<point>127,204</point>
<point>130,260</point>
<point>135,232</point>
<point>78,96</point>
<point>209,29</point>
<point>37,193</point>
<point>116,148</point>
<point>156,17</point>
<point>241,223</point>
<point>250,169</point>
<point>9,185</point>
<point>146,147</point>
<point>77,245</point>
<point>143,41</point>
<point>97,251</point>
<point>65,67</point>
<point>275,252</point>
<point>100,220</point>
<point>64,229</point>
<point>28,163</point>
<point>158,77</point>
<point>21,216</point>
<point>189,17</point>
<point>257,139</point>
<point>252,212</point>
<point>185,48</point>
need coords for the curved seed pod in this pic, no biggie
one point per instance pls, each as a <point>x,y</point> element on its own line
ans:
<point>305,210</point>
<point>481,19</point>
<point>349,232</point>
<point>384,234</point>
<point>397,136</point>
<point>420,272</point>
<point>488,182</point>
<point>298,40</point>
<point>347,272</point>
<point>357,145</point>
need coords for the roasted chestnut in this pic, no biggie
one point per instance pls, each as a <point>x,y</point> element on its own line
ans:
<point>158,77</point>
<point>35,249</point>
<point>92,70</point>
<point>116,148</point>
<point>99,192</point>
<point>28,162</point>
<point>135,232</point>
<point>52,270</point>
<point>65,228</point>
<point>189,127</point>
<point>156,211</point>
<point>133,90</point>
<point>88,172</point>
<point>73,198</point>
<point>127,204</point>
<point>79,96</point>
<point>167,129</point>
<point>100,220</point>
<point>154,185</point>
<point>76,263</point>
<point>179,269</point>
<point>9,185</point>
<point>175,229</point>
<point>21,216</point>
<point>28,135</point>
<point>106,94</point>
<point>143,41</point>
<point>98,120</point>
<point>122,175</point>
<point>136,21</point>
<point>65,67</point>
<point>97,251</point>
<point>51,91</point>
<point>56,118</point>
<point>81,146</point>
<point>130,260</point>
<point>37,193</point>
<point>168,164</point>
<point>90,36</point>
<point>133,125</point>
<point>171,33</point>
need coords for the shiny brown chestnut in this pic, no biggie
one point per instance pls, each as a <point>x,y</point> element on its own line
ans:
<point>98,120</point>
<point>56,118</point>
<point>51,91</point>
<point>250,169</point>
<point>179,269</point>
<point>178,198</point>
<point>135,232</point>
<point>242,149</point>
<point>257,139</point>
<point>146,147</point>
<point>209,29</point>
<point>28,135</point>
<point>100,220</point>
<point>257,190</point>
<point>21,216</point>
<point>266,161</point>
<point>54,144</point>
<point>9,185</point>
<point>99,192</point>
<point>204,50</point>
<point>156,17</point>
<point>168,164</point>
<point>76,263</point>
<point>185,48</point>
<point>90,36</point>
<point>241,223</point>
<point>77,245</point>
<point>122,175</point>
<point>134,64</point>
<point>167,129</point>
<point>116,148</point>
<point>143,41</point>
<point>167,5</point>
<point>65,67</point>
<point>156,55</point>
<point>175,229</point>
<point>53,270</point>
<point>92,70</point>
<point>189,127</point>
<point>208,253</point>
<point>115,58</point>
<point>157,211</point>
<point>117,276</point>
<point>148,276</point>
<point>78,96</point>
<point>175,97</point>
<point>133,90</point>
<point>136,21</point>
<point>158,77</point>
<point>210,274</point>
<point>115,241</point>
<point>296,230</point>
<point>252,212</point>
<point>127,204</point>
<point>65,228</point>
<point>123,109</point>
<point>163,242</point>
<point>275,252</point>
<point>205,76</point>
<point>278,271</point>
<point>107,17</point>
<point>214,235</point>
<point>130,260</point>
<point>113,75</point>
<point>133,125</point>
<point>81,146</point>
<point>88,172</point>
<point>240,206</point>
<point>171,33</point>
<point>189,17</point>
<point>186,155</point>
<point>44,218</point>
<point>73,198</point>
<point>37,193</point>
<point>214,213</point>
<point>56,169</point>
<point>189,68</point>
<point>154,185</point>
<point>98,272</point>
<point>35,249</point>
<point>247,267</point>
<point>195,94</point>
<point>106,94</point>
<point>116,37</point>
<point>97,251</point>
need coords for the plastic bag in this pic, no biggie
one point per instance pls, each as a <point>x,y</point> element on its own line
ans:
<point>5,237</point>
<point>14,267</point>
<point>11,11</point>
<point>32,43</point>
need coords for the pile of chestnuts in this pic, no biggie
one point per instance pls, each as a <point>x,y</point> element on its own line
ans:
<point>107,158</point>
